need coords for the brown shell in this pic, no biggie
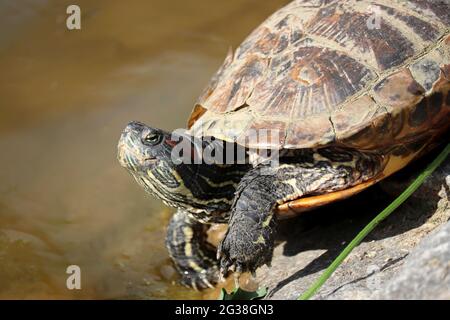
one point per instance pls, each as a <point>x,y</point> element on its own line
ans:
<point>365,74</point>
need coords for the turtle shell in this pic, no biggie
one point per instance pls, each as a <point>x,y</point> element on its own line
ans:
<point>364,74</point>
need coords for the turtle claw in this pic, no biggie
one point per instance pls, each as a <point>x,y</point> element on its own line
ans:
<point>225,266</point>
<point>221,277</point>
<point>208,284</point>
<point>219,253</point>
<point>234,260</point>
<point>194,285</point>
<point>239,252</point>
<point>236,268</point>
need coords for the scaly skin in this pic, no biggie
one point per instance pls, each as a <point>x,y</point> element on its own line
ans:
<point>249,241</point>
<point>193,256</point>
<point>237,193</point>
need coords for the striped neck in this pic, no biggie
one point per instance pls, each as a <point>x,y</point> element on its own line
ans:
<point>196,188</point>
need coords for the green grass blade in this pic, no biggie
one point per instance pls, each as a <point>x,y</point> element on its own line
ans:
<point>380,217</point>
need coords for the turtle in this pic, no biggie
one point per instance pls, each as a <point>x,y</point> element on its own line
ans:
<point>346,93</point>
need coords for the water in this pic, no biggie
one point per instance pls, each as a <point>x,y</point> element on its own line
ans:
<point>65,96</point>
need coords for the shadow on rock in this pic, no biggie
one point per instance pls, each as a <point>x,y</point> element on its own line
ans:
<point>331,228</point>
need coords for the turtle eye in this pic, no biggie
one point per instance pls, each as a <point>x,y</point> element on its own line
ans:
<point>152,138</point>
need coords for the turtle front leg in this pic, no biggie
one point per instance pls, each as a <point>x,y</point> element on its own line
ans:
<point>193,256</point>
<point>249,241</point>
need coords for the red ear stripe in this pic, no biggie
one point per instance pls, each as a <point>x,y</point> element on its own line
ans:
<point>171,142</point>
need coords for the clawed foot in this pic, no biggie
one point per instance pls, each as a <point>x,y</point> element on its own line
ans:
<point>192,255</point>
<point>204,279</point>
<point>240,252</point>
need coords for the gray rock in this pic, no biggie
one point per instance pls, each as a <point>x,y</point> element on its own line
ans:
<point>389,264</point>
<point>426,271</point>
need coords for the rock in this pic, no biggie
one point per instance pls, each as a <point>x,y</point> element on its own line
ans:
<point>389,264</point>
<point>168,272</point>
<point>426,271</point>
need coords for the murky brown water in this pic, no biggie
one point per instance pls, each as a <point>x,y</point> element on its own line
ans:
<point>64,98</point>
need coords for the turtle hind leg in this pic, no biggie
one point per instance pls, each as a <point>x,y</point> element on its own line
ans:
<point>249,241</point>
<point>193,256</point>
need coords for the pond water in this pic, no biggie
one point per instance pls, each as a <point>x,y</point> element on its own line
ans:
<point>65,97</point>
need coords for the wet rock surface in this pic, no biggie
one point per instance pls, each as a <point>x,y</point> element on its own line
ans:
<point>407,256</point>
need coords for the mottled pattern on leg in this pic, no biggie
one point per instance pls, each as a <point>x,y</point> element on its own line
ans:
<point>324,170</point>
<point>249,241</point>
<point>192,255</point>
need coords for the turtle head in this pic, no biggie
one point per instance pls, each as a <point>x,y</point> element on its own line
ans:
<point>153,158</point>
<point>146,153</point>
<point>141,147</point>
